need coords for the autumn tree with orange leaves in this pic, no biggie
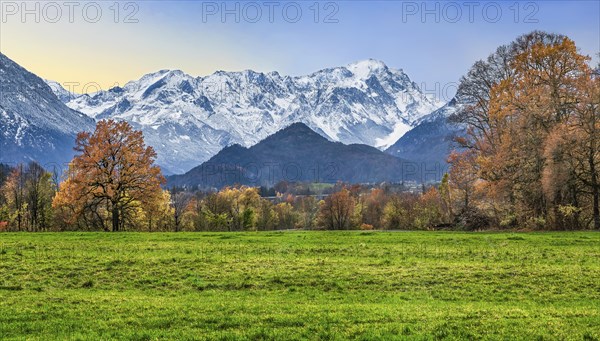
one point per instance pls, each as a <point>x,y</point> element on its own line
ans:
<point>532,110</point>
<point>336,210</point>
<point>112,181</point>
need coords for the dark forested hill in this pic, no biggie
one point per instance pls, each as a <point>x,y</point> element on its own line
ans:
<point>297,153</point>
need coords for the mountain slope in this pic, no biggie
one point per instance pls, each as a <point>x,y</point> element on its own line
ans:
<point>35,124</point>
<point>189,119</point>
<point>296,153</point>
<point>431,140</point>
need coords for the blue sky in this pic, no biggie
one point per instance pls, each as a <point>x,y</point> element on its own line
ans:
<point>433,42</point>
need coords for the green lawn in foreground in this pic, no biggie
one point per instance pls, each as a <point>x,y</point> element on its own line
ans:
<point>300,285</point>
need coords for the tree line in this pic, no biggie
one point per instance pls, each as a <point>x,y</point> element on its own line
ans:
<point>32,200</point>
<point>347,207</point>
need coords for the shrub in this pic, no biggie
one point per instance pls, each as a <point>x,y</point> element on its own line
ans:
<point>366,227</point>
<point>473,219</point>
<point>535,223</point>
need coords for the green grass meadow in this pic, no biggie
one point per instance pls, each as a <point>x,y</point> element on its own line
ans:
<point>300,285</point>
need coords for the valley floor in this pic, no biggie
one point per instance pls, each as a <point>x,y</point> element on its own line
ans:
<point>300,285</point>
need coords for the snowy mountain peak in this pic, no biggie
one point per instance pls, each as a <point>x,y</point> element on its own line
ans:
<point>363,69</point>
<point>63,94</point>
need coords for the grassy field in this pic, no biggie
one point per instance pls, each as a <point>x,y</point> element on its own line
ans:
<point>300,285</point>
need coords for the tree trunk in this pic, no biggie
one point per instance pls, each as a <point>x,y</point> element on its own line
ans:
<point>595,189</point>
<point>596,209</point>
<point>115,218</point>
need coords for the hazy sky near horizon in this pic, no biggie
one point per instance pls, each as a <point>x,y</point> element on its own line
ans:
<point>435,43</point>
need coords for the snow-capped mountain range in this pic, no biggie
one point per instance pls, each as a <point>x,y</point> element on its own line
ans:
<point>190,119</point>
<point>34,124</point>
